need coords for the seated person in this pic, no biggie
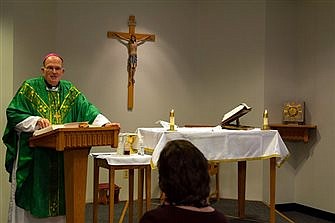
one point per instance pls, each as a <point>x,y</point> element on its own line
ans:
<point>184,181</point>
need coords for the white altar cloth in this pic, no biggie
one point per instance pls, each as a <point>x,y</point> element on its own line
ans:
<point>116,159</point>
<point>219,144</point>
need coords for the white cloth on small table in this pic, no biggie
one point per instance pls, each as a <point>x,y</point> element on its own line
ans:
<point>116,159</point>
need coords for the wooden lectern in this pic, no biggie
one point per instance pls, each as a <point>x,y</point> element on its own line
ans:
<point>76,144</point>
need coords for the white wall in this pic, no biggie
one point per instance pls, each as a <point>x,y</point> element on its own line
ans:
<point>299,66</point>
<point>6,89</point>
<point>315,177</point>
<point>208,57</point>
<point>280,82</point>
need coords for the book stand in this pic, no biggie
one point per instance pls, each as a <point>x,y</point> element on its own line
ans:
<point>234,115</point>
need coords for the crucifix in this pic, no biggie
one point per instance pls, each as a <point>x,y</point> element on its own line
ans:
<point>131,40</point>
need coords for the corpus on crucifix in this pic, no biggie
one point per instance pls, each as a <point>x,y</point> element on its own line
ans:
<point>131,40</point>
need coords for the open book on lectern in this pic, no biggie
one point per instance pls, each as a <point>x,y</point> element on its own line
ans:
<point>234,115</point>
<point>59,126</point>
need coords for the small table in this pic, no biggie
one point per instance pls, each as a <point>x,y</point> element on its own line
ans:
<point>114,162</point>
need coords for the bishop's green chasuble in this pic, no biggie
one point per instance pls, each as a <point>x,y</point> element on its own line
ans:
<point>40,174</point>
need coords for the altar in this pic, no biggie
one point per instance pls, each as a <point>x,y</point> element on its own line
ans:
<point>224,145</point>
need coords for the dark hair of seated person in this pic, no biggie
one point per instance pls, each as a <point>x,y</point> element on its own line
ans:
<point>183,174</point>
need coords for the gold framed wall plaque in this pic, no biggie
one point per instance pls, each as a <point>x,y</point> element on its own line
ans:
<point>294,112</point>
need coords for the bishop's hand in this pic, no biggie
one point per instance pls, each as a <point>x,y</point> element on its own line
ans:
<point>42,123</point>
<point>112,124</point>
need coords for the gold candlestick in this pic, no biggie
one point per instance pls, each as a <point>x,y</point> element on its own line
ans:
<point>131,139</point>
<point>172,120</point>
<point>265,120</point>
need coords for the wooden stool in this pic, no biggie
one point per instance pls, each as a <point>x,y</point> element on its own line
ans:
<point>103,193</point>
<point>213,169</point>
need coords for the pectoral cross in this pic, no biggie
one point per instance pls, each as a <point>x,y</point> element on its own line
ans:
<point>131,40</point>
<point>57,116</point>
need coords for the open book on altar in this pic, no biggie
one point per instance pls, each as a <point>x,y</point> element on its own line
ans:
<point>234,115</point>
<point>59,126</point>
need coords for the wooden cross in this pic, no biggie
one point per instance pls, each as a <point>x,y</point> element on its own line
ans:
<point>131,40</point>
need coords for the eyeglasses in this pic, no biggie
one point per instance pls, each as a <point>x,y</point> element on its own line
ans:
<point>51,69</point>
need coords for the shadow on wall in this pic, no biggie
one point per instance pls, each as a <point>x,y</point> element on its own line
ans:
<point>300,152</point>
